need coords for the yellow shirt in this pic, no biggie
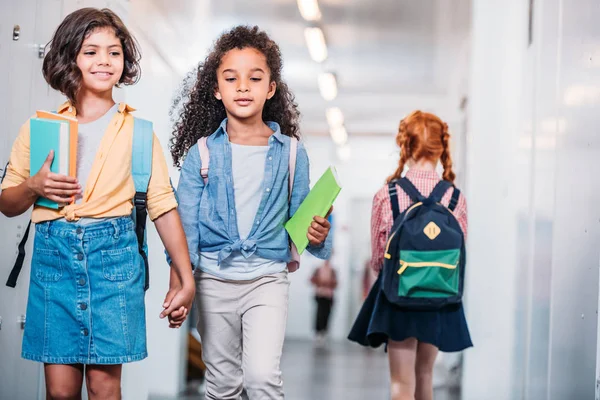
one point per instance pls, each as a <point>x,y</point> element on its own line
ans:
<point>110,189</point>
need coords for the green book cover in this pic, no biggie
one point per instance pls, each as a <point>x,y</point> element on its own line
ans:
<point>318,202</point>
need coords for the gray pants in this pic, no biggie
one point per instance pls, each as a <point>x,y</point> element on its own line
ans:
<point>242,327</point>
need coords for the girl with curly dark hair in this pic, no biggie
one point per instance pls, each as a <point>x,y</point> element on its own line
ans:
<point>238,129</point>
<point>85,311</point>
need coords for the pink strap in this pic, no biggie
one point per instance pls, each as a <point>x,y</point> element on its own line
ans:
<point>294,264</point>
<point>292,165</point>
<point>204,158</point>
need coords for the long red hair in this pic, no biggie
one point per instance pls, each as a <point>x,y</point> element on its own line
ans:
<point>420,136</point>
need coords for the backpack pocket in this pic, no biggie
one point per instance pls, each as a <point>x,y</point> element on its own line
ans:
<point>429,274</point>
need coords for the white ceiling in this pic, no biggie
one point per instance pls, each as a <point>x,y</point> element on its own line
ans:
<point>390,56</point>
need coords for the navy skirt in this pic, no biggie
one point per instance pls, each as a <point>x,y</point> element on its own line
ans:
<point>379,320</point>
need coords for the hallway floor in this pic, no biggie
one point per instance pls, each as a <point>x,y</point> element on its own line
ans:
<point>341,371</point>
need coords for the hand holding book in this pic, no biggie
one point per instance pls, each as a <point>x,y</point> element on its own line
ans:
<point>309,224</point>
<point>55,187</point>
<point>319,229</point>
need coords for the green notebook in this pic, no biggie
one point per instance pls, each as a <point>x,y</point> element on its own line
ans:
<point>318,201</point>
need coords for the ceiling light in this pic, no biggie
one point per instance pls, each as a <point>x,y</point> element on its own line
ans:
<point>328,86</point>
<point>335,117</point>
<point>309,10</point>
<point>315,40</point>
<point>339,135</point>
<point>344,152</point>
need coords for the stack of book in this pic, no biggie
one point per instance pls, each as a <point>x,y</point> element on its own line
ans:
<point>51,131</point>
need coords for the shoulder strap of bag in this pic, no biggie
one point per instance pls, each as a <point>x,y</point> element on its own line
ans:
<point>204,158</point>
<point>439,191</point>
<point>16,270</point>
<point>454,199</point>
<point>393,192</point>
<point>294,264</point>
<point>292,165</point>
<point>411,191</point>
<point>141,170</point>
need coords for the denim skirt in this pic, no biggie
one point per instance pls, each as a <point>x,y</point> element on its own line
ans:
<point>86,294</point>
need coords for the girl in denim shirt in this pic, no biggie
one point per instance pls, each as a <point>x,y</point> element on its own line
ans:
<point>234,220</point>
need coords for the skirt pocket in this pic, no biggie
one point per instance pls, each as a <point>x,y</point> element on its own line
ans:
<point>117,264</point>
<point>47,265</point>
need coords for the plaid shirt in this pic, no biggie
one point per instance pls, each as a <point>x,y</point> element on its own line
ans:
<point>382,219</point>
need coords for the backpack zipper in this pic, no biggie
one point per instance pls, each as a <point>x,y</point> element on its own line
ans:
<point>404,265</point>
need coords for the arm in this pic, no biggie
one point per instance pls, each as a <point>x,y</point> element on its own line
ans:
<point>162,210</point>
<point>313,279</point>
<point>461,214</point>
<point>320,241</point>
<point>182,287</point>
<point>381,223</point>
<point>189,192</point>
<point>334,281</point>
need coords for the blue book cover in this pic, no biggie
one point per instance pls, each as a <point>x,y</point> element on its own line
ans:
<point>46,135</point>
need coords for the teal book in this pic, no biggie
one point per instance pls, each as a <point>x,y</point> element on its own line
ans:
<point>46,135</point>
<point>318,202</point>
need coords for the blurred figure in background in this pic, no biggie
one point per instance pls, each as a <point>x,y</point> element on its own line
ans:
<point>324,280</point>
<point>369,277</point>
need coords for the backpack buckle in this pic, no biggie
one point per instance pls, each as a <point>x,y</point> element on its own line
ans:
<point>139,200</point>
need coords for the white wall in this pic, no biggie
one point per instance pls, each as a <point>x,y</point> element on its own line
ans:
<point>532,280</point>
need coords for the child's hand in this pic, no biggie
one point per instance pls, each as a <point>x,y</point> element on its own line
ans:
<point>178,301</point>
<point>319,229</point>
<point>55,187</point>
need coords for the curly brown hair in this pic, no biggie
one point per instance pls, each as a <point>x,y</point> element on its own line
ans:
<point>203,113</point>
<point>60,63</point>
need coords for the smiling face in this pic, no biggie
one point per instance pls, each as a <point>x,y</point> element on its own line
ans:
<point>101,61</point>
<point>244,83</point>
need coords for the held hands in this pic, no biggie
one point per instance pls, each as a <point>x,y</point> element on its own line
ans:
<point>178,301</point>
<point>55,187</point>
<point>319,229</point>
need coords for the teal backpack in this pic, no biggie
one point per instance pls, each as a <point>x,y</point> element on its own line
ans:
<point>141,170</point>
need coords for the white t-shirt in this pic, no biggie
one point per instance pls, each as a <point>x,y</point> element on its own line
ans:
<point>88,142</point>
<point>248,170</point>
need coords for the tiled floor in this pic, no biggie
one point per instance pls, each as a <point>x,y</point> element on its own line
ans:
<point>343,371</point>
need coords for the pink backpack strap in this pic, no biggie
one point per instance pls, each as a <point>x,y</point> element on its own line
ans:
<point>292,164</point>
<point>294,264</point>
<point>204,158</point>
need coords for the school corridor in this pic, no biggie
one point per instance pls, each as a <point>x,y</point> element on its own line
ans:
<point>518,84</point>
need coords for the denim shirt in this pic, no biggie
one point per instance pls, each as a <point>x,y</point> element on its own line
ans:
<point>208,211</point>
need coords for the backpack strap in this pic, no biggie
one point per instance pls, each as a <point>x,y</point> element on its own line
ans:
<point>439,191</point>
<point>141,170</point>
<point>3,172</point>
<point>393,191</point>
<point>454,199</point>
<point>294,264</point>
<point>292,165</point>
<point>16,270</point>
<point>410,190</point>
<point>204,158</point>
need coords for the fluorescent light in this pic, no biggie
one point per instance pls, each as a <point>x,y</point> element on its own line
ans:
<point>328,86</point>
<point>315,40</point>
<point>309,10</point>
<point>335,117</point>
<point>339,135</point>
<point>344,152</point>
